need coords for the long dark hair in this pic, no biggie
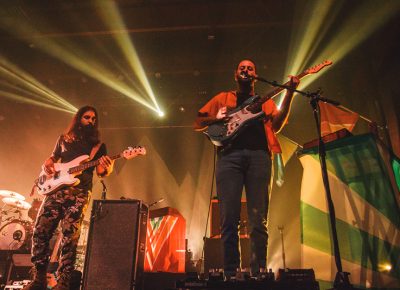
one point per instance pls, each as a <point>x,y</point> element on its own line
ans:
<point>74,130</point>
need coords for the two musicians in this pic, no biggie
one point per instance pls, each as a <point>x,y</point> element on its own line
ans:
<point>245,164</point>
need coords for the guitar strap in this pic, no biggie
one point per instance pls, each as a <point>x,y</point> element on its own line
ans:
<point>94,150</point>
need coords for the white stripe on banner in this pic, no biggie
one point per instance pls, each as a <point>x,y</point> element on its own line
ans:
<point>349,206</point>
<point>325,268</point>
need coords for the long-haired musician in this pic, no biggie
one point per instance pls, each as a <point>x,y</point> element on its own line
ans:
<point>67,204</point>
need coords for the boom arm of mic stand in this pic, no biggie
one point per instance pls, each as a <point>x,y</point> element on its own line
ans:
<point>307,94</point>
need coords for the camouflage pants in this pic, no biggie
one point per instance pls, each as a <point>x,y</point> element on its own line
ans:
<point>67,206</point>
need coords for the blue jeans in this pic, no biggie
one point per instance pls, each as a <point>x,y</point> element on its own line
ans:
<point>251,169</point>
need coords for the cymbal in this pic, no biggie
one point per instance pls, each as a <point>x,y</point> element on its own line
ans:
<point>12,201</point>
<point>8,193</point>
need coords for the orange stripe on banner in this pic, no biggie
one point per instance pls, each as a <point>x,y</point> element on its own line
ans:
<point>164,235</point>
<point>333,119</point>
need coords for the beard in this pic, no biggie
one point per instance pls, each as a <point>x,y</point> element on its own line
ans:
<point>89,132</point>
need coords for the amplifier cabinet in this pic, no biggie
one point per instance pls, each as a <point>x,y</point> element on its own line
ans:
<point>116,245</point>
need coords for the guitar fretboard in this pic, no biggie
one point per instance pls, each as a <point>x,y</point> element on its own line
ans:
<point>89,164</point>
<point>279,89</point>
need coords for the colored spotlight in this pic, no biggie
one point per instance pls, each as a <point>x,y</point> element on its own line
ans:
<point>387,267</point>
<point>112,17</point>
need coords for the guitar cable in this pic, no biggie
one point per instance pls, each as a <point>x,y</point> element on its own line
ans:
<point>209,205</point>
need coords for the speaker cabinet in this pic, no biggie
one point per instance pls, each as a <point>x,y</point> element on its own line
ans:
<point>215,229</point>
<point>116,245</point>
<point>214,258</point>
<point>19,267</point>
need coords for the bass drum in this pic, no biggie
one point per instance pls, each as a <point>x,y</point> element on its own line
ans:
<point>16,235</point>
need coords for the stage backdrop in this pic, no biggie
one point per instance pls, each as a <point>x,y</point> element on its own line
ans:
<point>366,200</point>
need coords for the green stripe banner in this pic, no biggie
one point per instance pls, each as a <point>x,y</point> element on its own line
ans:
<point>367,214</point>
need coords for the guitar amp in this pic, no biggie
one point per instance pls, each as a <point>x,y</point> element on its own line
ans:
<point>215,228</point>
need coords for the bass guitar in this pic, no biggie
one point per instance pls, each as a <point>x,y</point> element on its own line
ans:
<point>65,173</point>
<point>222,132</point>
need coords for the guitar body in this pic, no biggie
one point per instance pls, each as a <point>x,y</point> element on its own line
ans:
<point>65,173</point>
<point>221,133</point>
<point>49,184</point>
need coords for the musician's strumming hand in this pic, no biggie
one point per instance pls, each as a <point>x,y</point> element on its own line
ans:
<point>48,166</point>
<point>222,113</point>
<point>106,165</point>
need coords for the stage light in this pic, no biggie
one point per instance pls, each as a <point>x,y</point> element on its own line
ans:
<point>71,54</point>
<point>307,49</point>
<point>346,39</point>
<point>26,100</point>
<point>111,16</point>
<point>161,114</point>
<point>385,267</point>
<point>320,15</point>
<point>25,88</point>
<point>388,267</point>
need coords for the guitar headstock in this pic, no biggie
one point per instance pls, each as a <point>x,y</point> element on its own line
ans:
<point>318,67</point>
<point>133,152</point>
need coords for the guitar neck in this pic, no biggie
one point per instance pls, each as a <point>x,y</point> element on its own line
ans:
<point>89,164</point>
<point>280,89</point>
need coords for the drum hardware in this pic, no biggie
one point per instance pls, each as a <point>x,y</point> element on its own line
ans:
<point>14,202</point>
<point>7,215</point>
<point>8,193</point>
<point>16,235</point>
<point>33,211</point>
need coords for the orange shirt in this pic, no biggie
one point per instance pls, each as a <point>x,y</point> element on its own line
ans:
<point>228,99</point>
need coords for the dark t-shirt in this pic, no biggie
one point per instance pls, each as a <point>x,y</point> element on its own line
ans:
<point>251,137</point>
<point>67,151</point>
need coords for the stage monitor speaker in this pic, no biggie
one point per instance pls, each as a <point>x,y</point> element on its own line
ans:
<point>19,267</point>
<point>116,245</point>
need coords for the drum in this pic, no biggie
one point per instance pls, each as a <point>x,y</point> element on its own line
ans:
<point>33,211</point>
<point>16,235</point>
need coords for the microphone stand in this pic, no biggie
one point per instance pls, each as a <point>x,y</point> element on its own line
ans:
<point>280,228</point>
<point>156,202</point>
<point>341,281</point>
<point>104,191</point>
<point>96,214</point>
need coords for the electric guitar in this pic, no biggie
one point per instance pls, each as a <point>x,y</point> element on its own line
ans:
<point>65,173</point>
<point>221,132</point>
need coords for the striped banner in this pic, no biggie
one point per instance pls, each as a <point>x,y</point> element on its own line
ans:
<point>165,242</point>
<point>367,215</point>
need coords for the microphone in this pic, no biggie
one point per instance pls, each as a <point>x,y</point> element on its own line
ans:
<point>154,203</point>
<point>245,75</point>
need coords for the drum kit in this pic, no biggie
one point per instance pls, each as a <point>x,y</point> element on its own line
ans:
<point>15,233</point>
